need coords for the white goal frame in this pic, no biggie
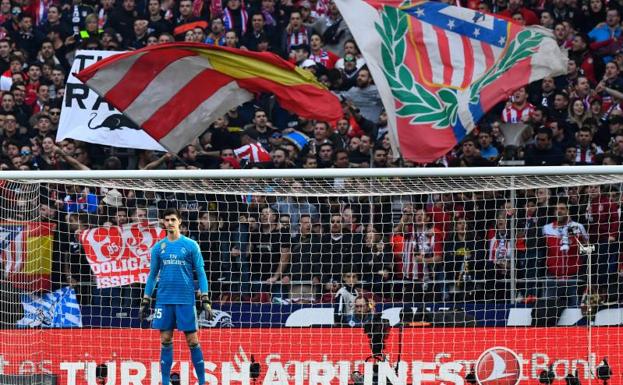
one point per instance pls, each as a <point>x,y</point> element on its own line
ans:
<point>507,175</point>
<point>317,173</point>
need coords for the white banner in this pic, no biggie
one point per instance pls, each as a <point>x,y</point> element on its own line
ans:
<point>86,117</point>
<point>120,256</point>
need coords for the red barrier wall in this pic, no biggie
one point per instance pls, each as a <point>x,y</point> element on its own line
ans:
<point>303,356</point>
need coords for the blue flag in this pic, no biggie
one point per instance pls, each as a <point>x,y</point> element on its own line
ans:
<point>58,309</point>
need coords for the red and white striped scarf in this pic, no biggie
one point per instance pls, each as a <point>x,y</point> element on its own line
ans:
<point>322,58</point>
<point>230,23</point>
<point>416,243</point>
<point>587,155</point>
<point>499,247</point>
<point>297,38</point>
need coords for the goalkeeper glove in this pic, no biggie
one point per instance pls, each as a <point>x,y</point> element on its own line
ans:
<point>145,309</point>
<point>206,305</point>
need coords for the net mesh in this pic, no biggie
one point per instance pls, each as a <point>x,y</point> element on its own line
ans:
<point>318,280</point>
<point>349,186</point>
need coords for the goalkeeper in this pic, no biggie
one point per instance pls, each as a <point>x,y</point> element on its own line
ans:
<point>174,258</point>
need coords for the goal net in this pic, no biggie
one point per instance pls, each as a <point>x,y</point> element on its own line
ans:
<point>401,276</point>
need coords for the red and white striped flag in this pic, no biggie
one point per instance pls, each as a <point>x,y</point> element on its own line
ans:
<point>253,152</point>
<point>175,91</point>
<point>440,68</point>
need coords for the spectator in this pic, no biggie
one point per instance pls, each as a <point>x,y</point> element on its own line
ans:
<point>602,219</point>
<point>560,138</point>
<point>518,109</point>
<point>269,254</point>
<point>11,131</point>
<point>587,62</point>
<point>214,241</point>
<point>310,162</point>
<point>377,264</point>
<point>610,80</point>
<point>55,21</point>
<point>26,37</point>
<point>571,153</point>
<point>586,149</point>
<point>545,96</point>
<point>350,47</point>
<point>281,158</point>
<point>499,250</point>
<point>122,20</point>
<point>231,39</point>
<point>251,151</point>
<point>605,36</point>
<point>543,152</point>
<point>578,114</point>
<point>562,36</point>
<point>295,34</point>
<point>592,16</point>
<point>304,269</point>
<point>157,23</point>
<point>418,245</point>
<point>261,129</point>
<point>563,260</point>
<point>80,199</point>
<point>379,157</point>
<point>75,266</point>
<point>528,15</point>
<point>342,249</point>
<point>217,32</point>
<point>8,107</point>
<point>92,30</point>
<point>188,158</point>
<point>546,19</point>
<point>253,36</point>
<point>58,83</point>
<point>5,55</point>
<point>349,71</point>
<point>325,155</point>
<point>228,163</point>
<point>319,54</point>
<point>333,30</point>
<point>42,99</point>
<point>461,264</point>
<point>235,17</point>
<point>487,149</point>
<point>341,159</point>
<point>470,154</point>
<point>560,106</point>
<point>139,38</point>
<point>365,96</point>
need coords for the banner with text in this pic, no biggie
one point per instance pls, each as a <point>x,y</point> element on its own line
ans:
<point>255,315</point>
<point>120,256</point>
<point>318,356</point>
<point>86,117</point>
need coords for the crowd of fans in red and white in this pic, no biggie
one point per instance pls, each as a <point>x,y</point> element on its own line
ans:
<point>575,119</point>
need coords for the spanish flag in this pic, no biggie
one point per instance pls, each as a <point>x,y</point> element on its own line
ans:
<point>26,254</point>
<point>175,91</point>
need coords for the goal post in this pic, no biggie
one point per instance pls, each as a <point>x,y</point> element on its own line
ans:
<point>405,276</point>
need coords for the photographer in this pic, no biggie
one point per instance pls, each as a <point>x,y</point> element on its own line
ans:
<point>376,328</point>
<point>373,325</point>
<point>345,299</point>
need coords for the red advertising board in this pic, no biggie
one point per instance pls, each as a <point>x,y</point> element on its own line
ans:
<point>307,356</point>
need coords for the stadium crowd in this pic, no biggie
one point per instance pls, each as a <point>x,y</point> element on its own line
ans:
<point>426,248</point>
<point>305,248</point>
